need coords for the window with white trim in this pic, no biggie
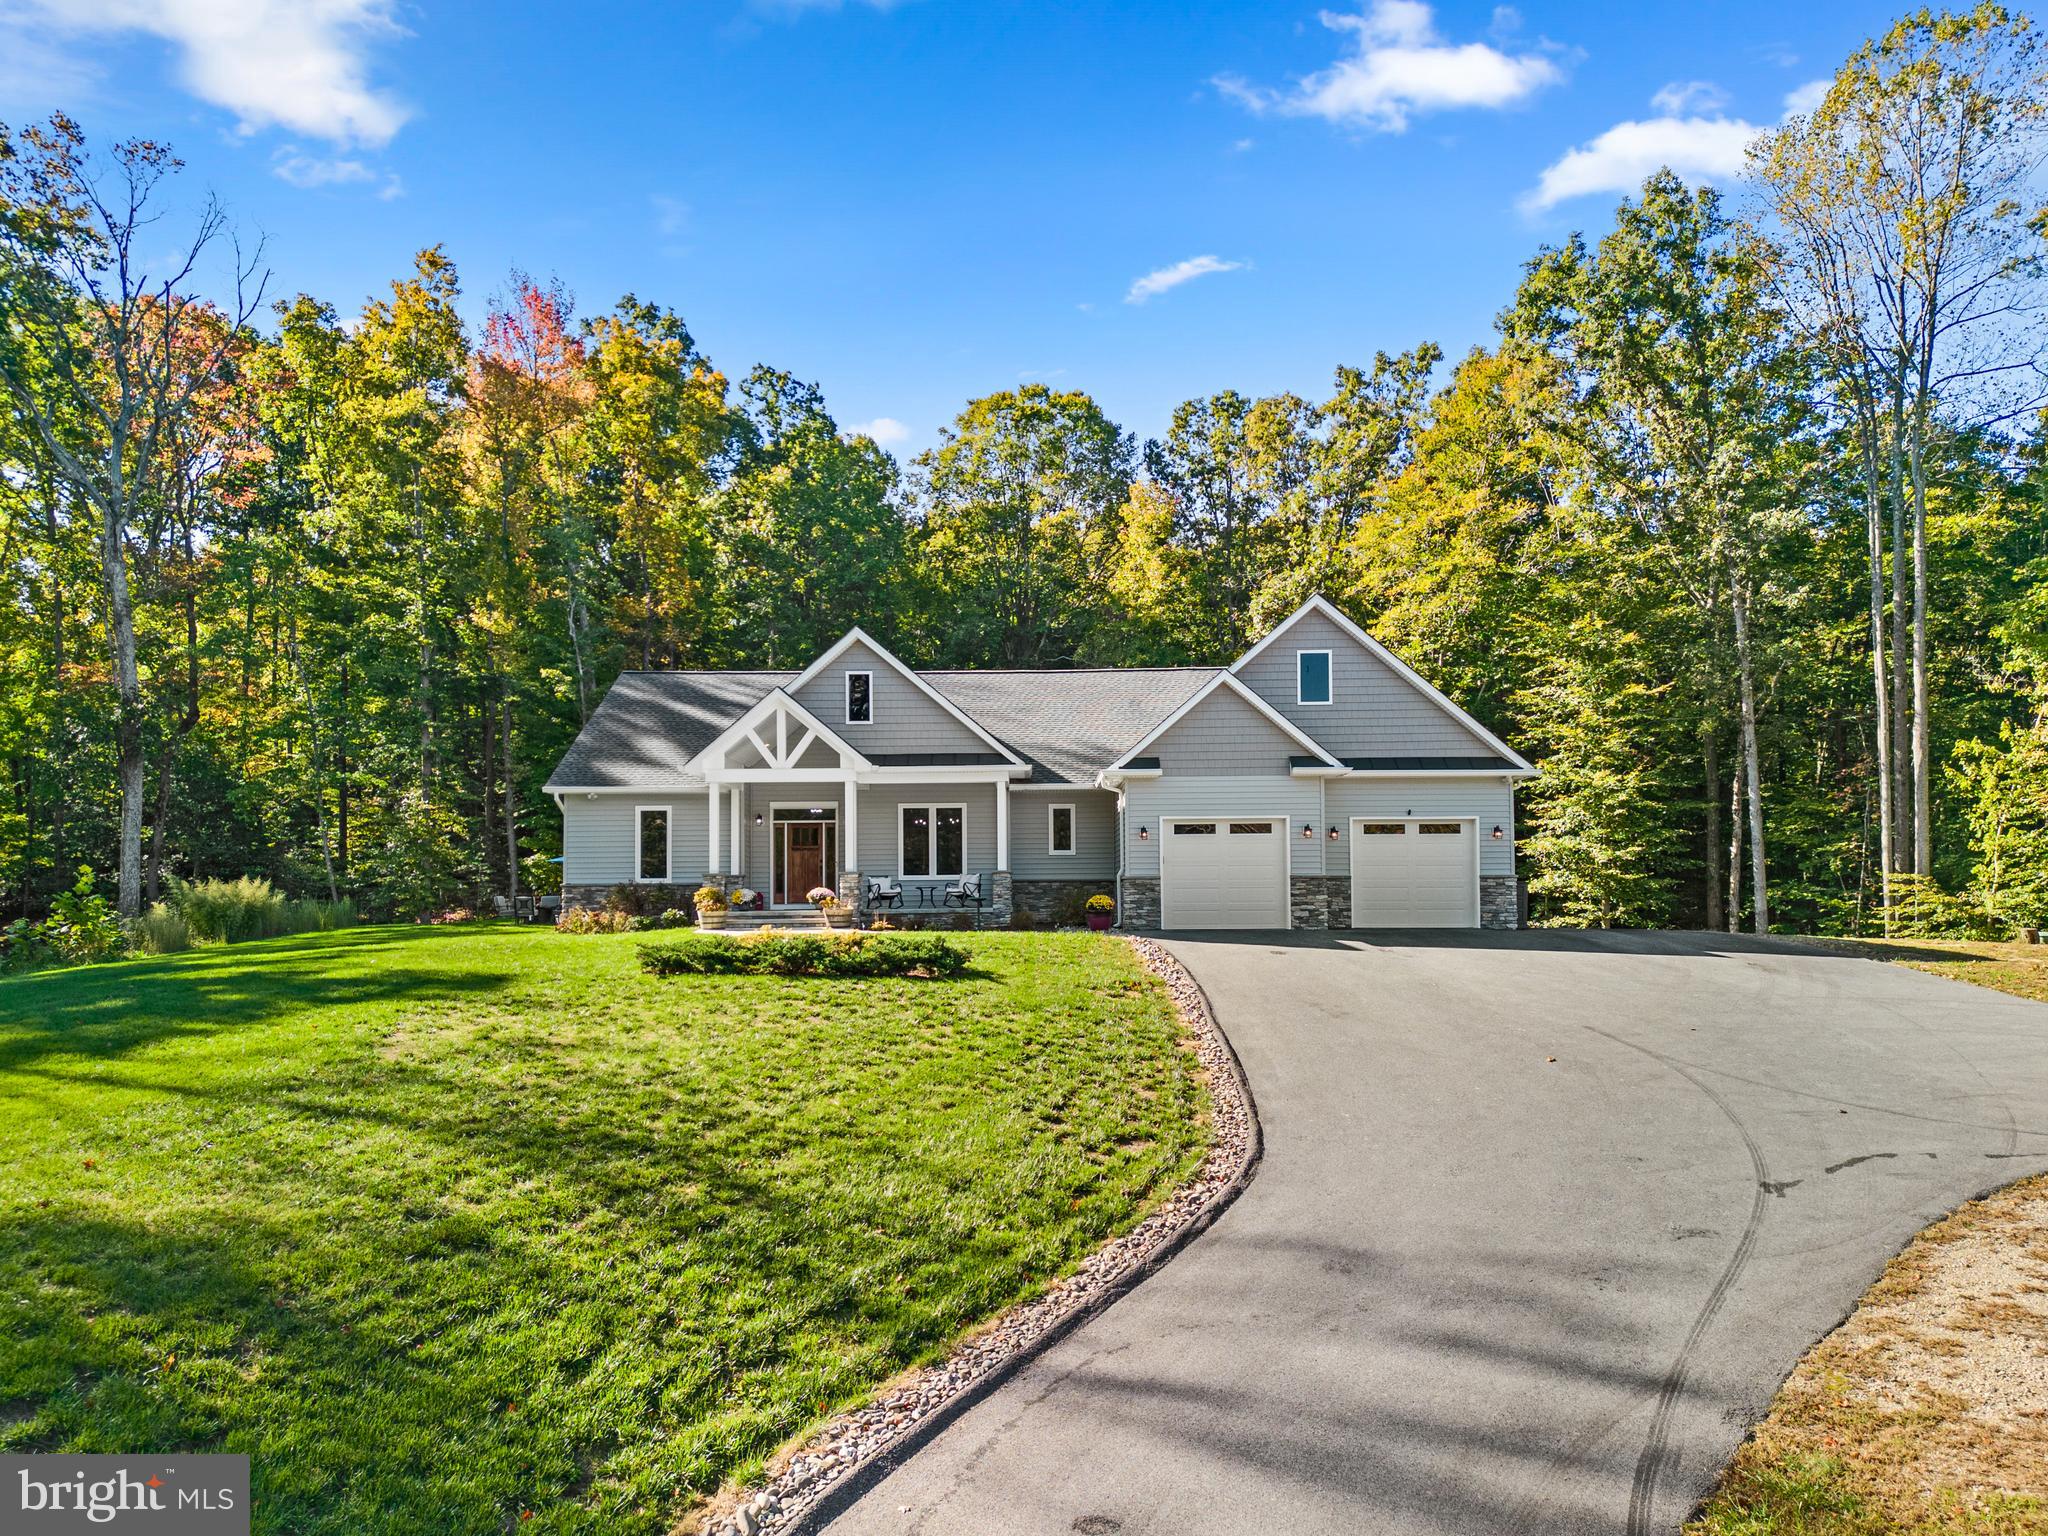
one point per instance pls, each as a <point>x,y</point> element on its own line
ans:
<point>931,841</point>
<point>1311,677</point>
<point>650,843</point>
<point>860,698</point>
<point>1059,832</point>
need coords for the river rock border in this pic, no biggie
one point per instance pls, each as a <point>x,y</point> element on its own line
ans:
<point>819,1479</point>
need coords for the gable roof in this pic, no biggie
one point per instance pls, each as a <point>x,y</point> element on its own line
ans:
<point>1228,680</point>
<point>858,636</point>
<point>776,701</point>
<point>1515,762</point>
<point>649,725</point>
<point>1069,724</point>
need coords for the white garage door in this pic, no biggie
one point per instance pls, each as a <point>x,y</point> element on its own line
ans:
<point>1223,874</point>
<point>1414,874</point>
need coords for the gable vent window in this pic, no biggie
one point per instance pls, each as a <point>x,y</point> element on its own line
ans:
<point>860,698</point>
<point>1312,677</point>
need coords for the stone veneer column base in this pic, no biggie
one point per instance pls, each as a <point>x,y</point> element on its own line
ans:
<point>996,914</point>
<point>1337,890</point>
<point>1308,902</point>
<point>1500,901</point>
<point>1141,903</point>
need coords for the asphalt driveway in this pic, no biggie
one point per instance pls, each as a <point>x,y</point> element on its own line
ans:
<point>1475,1290</point>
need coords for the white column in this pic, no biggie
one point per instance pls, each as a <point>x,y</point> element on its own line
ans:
<point>849,834</point>
<point>711,798</point>
<point>1002,825</point>
<point>739,796</point>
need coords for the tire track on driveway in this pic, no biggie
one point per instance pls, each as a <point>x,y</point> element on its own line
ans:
<point>1656,1452</point>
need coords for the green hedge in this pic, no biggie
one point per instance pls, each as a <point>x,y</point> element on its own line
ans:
<point>806,954</point>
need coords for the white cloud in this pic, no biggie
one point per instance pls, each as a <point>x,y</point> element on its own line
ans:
<point>301,65</point>
<point>1401,66</point>
<point>887,431</point>
<point>1154,283</point>
<point>1619,160</point>
<point>1683,97</point>
<point>303,170</point>
<point>1802,100</point>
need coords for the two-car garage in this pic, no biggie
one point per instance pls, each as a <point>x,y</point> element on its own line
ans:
<point>1232,873</point>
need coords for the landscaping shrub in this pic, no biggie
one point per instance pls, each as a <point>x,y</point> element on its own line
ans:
<point>236,911</point>
<point>807,954</point>
<point>593,920</point>
<point>81,928</point>
<point>161,930</point>
<point>646,900</point>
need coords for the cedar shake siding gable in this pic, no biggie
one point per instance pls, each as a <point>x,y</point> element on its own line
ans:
<point>1373,710</point>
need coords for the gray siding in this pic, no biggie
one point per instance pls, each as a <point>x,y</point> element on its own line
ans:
<point>1373,710</point>
<point>880,805</point>
<point>1492,801</point>
<point>906,718</point>
<point>1094,855</point>
<point>1224,737</point>
<point>758,867</point>
<point>597,837</point>
<point>1147,800</point>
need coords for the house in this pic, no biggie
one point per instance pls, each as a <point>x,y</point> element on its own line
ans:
<point>1317,782</point>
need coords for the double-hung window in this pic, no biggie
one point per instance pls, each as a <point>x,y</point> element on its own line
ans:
<point>860,698</point>
<point>933,841</point>
<point>1311,677</point>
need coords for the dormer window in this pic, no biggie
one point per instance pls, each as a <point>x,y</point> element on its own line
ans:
<point>1311,677</point>
<point>860,698</point>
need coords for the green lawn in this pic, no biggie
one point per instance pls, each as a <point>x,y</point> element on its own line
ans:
<point>446,1227</point>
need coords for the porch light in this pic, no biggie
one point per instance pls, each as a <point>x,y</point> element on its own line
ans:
<point>1144,834</point>
<point>1333,834</point>
<point>1498,834</point>
<point>757,818</point>
<point>1307,830</point>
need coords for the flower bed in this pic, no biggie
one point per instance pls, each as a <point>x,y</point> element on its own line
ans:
<point>807,954</point>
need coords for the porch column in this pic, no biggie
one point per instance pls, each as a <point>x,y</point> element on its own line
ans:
<point>739,795</point>
<point>849,834</point>
<point>1002,825</point>
<point>712,862</point>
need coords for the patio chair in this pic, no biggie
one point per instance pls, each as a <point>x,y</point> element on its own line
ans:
<point>883,891</point>
<point>964,892</point>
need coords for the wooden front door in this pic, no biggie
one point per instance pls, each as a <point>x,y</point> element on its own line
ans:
<point>803,859</point>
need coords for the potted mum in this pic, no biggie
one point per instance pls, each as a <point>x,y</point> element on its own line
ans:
<point>711,906</point>
<point>1099,911</point>
<point>837,913</point>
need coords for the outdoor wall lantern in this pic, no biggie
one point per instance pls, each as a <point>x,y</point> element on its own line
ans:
<point>1307,830</point>
<point>1333,834</point>
<point>1144,834</point>
<point>757,818</point>
<point>1498,834</point>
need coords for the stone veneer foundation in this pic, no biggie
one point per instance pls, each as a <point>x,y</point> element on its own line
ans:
<point>1324,902</point>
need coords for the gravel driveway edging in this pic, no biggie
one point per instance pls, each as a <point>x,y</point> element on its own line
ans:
<point>854,1452</point>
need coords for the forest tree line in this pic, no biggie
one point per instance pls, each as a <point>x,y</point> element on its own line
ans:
<point>1738,528</point>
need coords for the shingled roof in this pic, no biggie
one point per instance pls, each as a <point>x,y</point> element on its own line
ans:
<point>651,723</point>
<point>1067,724</point>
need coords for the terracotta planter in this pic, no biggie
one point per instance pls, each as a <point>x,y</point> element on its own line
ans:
<point>838,917</point>
<point>1100,920</point>
<point>708,919</point>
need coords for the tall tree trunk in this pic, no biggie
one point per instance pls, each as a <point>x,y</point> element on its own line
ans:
<point>127,683</point>
<point>426,677</point>
<point>511,796</point>
<point>1902,795</point>
<point>58,743</point>
<point>341,779</point>
<point>1711,745</point>
<point>1873,516</point>
<point>1923,745</point>
<point>1735,852</point>
<point>1760,895</point>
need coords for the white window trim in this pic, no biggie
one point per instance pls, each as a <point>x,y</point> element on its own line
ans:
<point>851,674</point>
<point>1329,676</point>
<point>668,861</point>
<point>1052,814</point>
<point>931,839</point>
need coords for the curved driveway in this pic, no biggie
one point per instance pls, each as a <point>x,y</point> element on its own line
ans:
<point>1474,1290</point>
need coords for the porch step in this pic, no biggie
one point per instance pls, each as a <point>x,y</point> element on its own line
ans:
<point>805,918</point>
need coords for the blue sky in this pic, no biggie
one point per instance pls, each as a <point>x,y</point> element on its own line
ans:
<point>918,202</point>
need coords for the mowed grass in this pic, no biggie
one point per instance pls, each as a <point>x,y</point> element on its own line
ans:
<point>2021,969</point>
<point>475,1230</point>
